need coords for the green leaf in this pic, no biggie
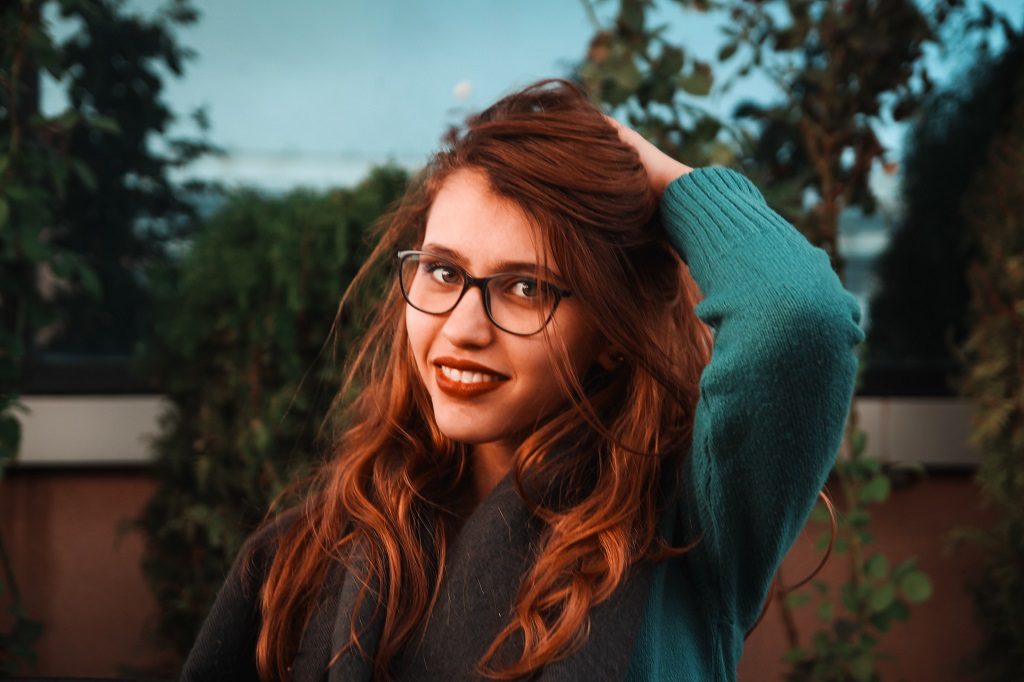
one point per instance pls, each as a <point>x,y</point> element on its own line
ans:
<point>898,611</point>
<point>16,192</point>
<point>631,15</point>
<point>90,282</point>
<point>796,599</point>
<point>85,174</point>
<point>825,611</point>
<point>795,655</point>
<point>876,490</point>
<point>698,81</point>
<point>916,587</point>
<point>881,597</point>
<point>848,596</point>
<point>5,211</point>
<point>877,566</point>
<point>821,643</point>
<point>858,442</point>
<point>862,668</point>
<point>671,62</point>
<point>727,51</point>
<point>104,124</point>
<point>903,569</point>
<point>33,249</point>
<point>858,518</point>
<point>881,621</point>
<point>10,437</point>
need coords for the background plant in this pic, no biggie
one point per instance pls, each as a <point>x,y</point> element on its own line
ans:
<point>75,189</point>
<point>919,310</point>
<point>240,352</point>
<point>33,171</point>
<point>875,593</point>
<point>128,214</point>
<point>994,382</point>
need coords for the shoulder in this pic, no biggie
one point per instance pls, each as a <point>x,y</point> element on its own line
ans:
<point>257,552</point>
<point>226,644</point>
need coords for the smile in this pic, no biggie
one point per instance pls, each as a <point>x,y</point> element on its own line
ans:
<point>466,376</point>
<point>465,383</point>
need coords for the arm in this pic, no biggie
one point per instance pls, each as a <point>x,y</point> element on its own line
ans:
<point>775,396</point>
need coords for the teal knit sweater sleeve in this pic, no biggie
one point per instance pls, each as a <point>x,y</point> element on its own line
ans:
<point>773,399</point>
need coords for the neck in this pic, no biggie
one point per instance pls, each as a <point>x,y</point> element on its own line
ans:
<point>491,461</point>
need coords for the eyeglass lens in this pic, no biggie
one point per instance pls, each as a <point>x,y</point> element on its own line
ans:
<point>518,303</point>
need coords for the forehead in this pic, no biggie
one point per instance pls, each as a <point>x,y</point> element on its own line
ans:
<point>467,217</point>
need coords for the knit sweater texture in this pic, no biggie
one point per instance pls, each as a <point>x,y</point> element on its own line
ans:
<point>768,424</point>
<point>769,421</point>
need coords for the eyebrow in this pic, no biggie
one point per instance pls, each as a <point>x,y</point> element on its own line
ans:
<point>503,266</point>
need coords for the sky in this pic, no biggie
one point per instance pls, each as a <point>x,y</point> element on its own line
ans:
<point>314,92</point>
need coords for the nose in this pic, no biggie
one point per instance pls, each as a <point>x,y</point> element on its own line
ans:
<point>467,323</point>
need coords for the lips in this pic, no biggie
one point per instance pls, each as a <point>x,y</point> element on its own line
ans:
<point>487,381</point>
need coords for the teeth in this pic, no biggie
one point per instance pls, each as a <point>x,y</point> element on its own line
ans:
<point>467,377</point>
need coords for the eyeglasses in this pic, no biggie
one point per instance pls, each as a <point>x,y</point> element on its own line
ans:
<point>516,303</point>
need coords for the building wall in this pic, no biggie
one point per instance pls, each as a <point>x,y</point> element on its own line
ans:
<point>79,575</point>
<point>78,568</point>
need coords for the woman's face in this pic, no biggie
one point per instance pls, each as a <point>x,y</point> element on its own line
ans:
<point>485,234</point>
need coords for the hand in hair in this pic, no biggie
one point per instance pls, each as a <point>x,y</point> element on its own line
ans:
<point>661,168</point>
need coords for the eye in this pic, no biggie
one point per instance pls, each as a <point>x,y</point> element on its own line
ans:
<point>443,273</point>
<point>524,288</point>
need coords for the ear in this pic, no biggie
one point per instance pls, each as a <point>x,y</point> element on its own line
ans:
<point>611,357</point>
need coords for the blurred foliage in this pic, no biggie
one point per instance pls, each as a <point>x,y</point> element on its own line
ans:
<point>656,85</point>
<point>240,353</point>
<point>919,311</point>
<point>126,214</point>
<point>62,192</point>
<point>33,169</point>
<point>841,67</point>
<point>994,382</point>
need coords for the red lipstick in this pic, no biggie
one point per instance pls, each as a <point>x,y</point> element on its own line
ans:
<point>458,389</point>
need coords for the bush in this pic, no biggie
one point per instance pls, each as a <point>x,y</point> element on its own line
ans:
<point>993,381</point>
<point>240,352</point>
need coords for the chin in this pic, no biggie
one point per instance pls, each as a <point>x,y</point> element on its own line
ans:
<point>460,432</point>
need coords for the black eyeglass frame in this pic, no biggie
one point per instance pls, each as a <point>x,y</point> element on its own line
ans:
<point>469,281</point>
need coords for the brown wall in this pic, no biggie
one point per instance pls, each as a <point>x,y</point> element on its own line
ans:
<point>85,585</point>
<point>915,521</point>
<point>77,573</point>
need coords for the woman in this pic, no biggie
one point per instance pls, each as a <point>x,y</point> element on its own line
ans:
<point>544,472</point>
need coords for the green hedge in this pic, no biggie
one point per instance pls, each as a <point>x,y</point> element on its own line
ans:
<point>994,383</point>
<point>239,350</point>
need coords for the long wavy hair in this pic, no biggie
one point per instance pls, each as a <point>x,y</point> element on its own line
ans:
<point>394,485</point>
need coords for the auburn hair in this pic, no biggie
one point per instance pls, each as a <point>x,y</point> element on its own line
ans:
<point>605,463</point>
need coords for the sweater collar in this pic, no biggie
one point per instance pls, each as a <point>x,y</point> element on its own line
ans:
<point>485,566</point>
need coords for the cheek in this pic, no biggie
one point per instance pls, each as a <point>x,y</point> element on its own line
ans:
<point>418,331</point>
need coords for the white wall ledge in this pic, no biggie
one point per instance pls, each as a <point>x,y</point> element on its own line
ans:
<point>116,430</point>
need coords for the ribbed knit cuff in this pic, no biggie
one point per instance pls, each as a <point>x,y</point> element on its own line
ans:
<point>711,212</point>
